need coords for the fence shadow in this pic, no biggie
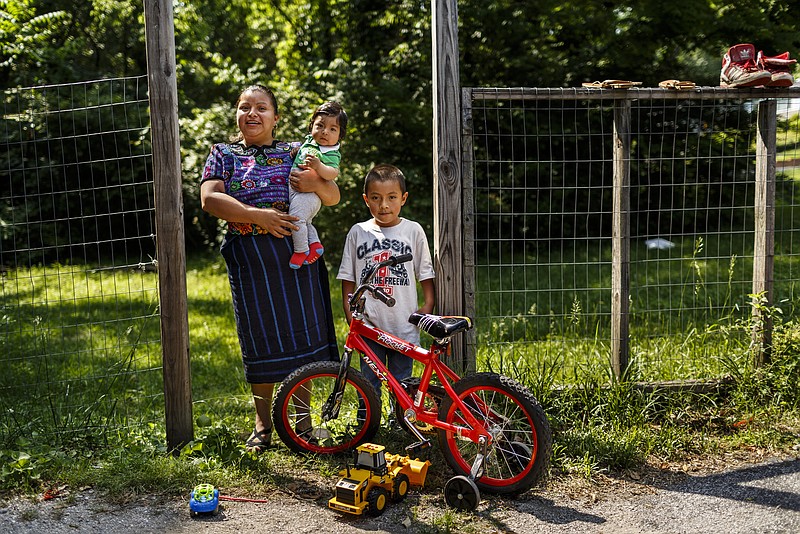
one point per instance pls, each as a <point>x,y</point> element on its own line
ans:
<point>755,485</point>
<point>761,485</point>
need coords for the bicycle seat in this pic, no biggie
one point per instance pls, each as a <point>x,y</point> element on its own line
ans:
<point>440,327</point>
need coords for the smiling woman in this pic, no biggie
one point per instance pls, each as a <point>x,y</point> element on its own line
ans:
<point>283,316</point>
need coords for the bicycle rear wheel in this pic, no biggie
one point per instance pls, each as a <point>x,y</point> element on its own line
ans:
<point>297,410</point>
<point>522,441</point>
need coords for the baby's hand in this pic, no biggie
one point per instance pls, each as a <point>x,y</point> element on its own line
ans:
<point>313,162</point>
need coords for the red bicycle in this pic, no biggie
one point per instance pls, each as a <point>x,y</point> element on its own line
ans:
<point>492,431</point>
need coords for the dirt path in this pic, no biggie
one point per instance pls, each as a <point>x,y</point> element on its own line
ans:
<point>762,497</point>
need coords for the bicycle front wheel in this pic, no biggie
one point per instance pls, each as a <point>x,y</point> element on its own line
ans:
<point>522,442</point>
<point>297,410</point>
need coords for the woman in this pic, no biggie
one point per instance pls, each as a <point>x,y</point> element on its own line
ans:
<point>283,315</point>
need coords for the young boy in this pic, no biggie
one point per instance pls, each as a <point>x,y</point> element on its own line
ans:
<point>319,151</point>
<point>387,234</point>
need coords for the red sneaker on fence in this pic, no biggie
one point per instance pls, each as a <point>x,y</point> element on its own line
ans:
<point>780,68</point>
<point>739,68</point>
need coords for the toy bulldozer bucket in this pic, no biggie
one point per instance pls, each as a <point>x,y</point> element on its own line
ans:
<point>419,470</point>
<point>416,469</point>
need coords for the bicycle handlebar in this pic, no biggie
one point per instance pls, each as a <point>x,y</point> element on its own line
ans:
<point>377,292</point>
<point>402,258</point>
<point>381,295</point>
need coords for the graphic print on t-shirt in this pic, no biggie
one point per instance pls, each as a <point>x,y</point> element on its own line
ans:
<point>387,278</point>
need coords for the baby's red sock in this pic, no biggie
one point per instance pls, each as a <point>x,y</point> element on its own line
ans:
<point>298,259</point>
<point>315,250</point>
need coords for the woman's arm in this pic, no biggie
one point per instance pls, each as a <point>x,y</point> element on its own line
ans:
<point>307,180</point>
<point>215,201</point>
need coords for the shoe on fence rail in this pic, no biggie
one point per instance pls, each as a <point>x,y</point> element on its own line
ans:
<point>780,68</point>
<point>740,69</point>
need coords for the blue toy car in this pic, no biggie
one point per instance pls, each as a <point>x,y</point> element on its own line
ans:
<point>204,500</point>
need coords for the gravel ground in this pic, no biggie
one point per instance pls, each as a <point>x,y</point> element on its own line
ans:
<point>728,497</point>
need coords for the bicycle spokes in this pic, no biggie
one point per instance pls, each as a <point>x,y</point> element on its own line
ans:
<point>303,423</point>
<point>499,409</point>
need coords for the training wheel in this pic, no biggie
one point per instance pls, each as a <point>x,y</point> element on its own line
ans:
<point>462,494</point>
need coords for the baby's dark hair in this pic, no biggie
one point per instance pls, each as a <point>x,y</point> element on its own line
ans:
<point>385,173</point>
<point>331,109</point>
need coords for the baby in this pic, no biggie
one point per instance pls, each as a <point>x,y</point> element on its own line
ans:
<point>320,152</point>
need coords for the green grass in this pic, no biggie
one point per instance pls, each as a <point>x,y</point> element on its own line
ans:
<point>599,425</point>
<point>551,309</point>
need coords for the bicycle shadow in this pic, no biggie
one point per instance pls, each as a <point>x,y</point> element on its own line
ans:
<point>547,511</point>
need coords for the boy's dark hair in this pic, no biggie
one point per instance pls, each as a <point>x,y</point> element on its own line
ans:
<point>385,173</point>
<point>331,109</point>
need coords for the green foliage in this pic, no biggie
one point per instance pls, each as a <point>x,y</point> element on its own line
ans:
<point>73,41</point>
<point>375,57</point>
<point>774,385</point>
<point>24,34</point>
<point>19,470</point>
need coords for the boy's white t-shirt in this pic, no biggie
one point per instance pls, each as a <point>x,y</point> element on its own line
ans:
<point>367,244</point>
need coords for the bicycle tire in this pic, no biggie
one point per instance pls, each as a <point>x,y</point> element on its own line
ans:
<point>522,440</point>
<point>359,414</point>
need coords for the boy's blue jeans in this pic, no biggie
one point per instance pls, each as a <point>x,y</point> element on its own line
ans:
<point>399,365</point>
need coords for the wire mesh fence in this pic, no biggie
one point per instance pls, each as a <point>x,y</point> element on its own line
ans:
<point>540,190</point>
<point>80,326</point>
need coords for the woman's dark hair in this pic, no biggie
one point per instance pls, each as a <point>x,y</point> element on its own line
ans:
<point>385,173</point>
<point>257,88</point>
<point>331,109</point>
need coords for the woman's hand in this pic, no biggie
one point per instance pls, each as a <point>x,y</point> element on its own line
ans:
<point>218,203</point>
<point>306,180</point>
<point>276,222</point>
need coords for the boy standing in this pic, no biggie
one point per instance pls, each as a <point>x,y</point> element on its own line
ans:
<point>387,234</point>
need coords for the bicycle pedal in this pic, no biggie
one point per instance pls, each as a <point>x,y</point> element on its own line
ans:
<point>419,446</point>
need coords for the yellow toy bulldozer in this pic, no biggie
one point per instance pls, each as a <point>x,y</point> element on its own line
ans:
<point>376,477</point>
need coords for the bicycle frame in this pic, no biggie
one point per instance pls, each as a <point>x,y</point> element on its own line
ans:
<point>433,365</point>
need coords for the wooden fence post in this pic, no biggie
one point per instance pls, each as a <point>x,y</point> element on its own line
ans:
<point>468,197</point>
<point>170,247</point>
<point>620,239</point>
<point>764,238</point>
<point>447,207</point>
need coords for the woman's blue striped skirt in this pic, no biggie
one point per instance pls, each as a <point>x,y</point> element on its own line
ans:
<point>283,315</point>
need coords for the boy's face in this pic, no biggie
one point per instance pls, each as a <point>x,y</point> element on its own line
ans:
<point>325,130</point>
<point>384,200</point>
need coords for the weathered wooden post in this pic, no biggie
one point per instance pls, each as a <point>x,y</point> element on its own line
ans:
<point>620,239</point>
<point>170,247</point>
<point>764,238</point>
<point>447,206</point>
